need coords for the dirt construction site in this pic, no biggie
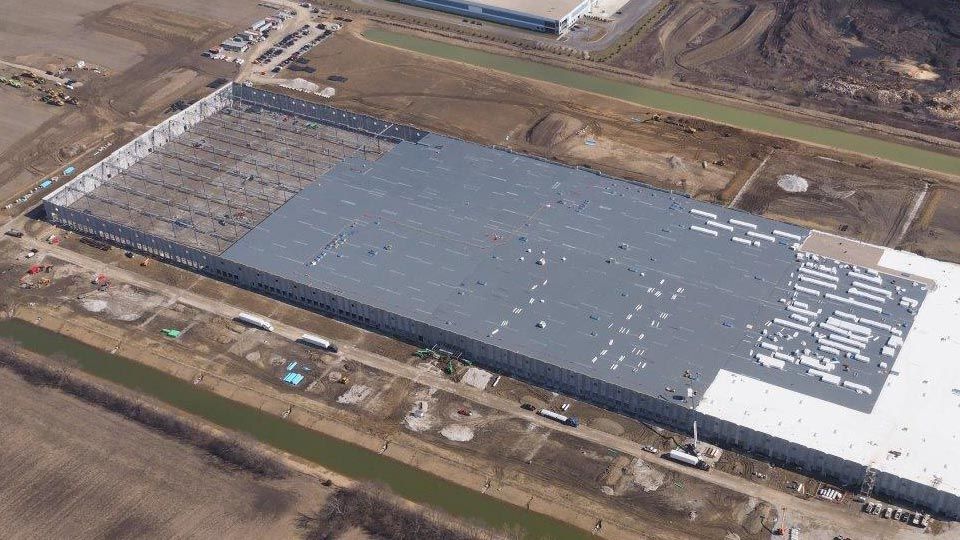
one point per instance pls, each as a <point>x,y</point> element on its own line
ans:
<point>837,192</point>
<point>401,415</point>
<point>448,419</point>
<point>888,61</point>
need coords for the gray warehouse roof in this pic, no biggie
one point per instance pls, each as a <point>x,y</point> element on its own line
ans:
<point>597,275</point>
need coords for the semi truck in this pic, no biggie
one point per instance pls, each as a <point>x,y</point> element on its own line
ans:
<point>318,341</point>
<point>688,459</point>
<point>253,320</point>
<point>571,421</point>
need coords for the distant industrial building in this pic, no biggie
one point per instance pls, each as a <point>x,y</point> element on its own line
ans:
<point>640,300</point>
<point>551,16</point>
<point>235,44</point>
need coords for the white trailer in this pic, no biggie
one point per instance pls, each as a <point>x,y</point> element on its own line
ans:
<point>253,320</point>
<point>684,457</point>
<point>568,421</point>
<point>317,341</point>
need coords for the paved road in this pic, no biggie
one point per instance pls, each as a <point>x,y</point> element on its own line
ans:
<point>811,510</point>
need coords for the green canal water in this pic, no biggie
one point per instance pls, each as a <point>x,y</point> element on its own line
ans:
<point>342,457</point>
<point>666,101</point>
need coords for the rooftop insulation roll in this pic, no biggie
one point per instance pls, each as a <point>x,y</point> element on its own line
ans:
<point>862,294</point>
<point>858,387</point>
<point>787,235</point>
<point>843,339</point>
<point>825,377</point>
<point>769,346</point>
<point>791,324</point>
<point>853,302</point>
<point>770,362</point>
<point>761,236</point>
<point>815,281</point>
<point>816,363</point>
<point>802,311</point>
<point>876,324</point>
<point>711,232</point>
<point>866,277</point>
<point>807,290</point>
<point>839,346</point>
<point>860,329</point>
<point>823,275</point>
<point>871,288</point>
<point>848,316</point>
<point>719,225</point>
<point>829,350</point>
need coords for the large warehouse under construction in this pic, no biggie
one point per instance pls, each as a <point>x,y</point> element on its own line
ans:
<point>639,300</point>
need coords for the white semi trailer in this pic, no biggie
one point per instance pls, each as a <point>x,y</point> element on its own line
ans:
<point>571,421</point>
<point>253,320</point>
<point>688,459</point>
<point>318,341</point>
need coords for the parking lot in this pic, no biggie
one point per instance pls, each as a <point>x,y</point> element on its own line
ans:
<point>293,46</point>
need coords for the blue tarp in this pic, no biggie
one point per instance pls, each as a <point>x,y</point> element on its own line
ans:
<point>69,170</point>
<point>293,378</point>
<point>46,183</point>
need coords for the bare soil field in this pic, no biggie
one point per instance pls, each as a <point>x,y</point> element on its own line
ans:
<point>507,451</point>
<point>74,470</point>
<point>68,31</point>
<point>936,231</point>
<point>21,115</point>
<point>844,198</point>
<point>859,198</point>
<point>547,120</point>
<point>147,56</point>
<point>893,62</point>
<point>498,452</point>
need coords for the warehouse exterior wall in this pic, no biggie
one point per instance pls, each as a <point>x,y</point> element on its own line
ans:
<point>901,489</point>
<point>362,123</point>
<point>127,237</point>
<point>669,414</point>
<point>674,415</point>
<point>478,10</point>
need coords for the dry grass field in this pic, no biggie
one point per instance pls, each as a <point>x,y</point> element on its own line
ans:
<point>73,470</point>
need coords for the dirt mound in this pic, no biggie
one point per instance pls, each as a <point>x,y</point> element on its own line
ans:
<point>646,477</point>
<point>457,432</point>
<point>880,61</point>
<point>757,513</point>
<point>607,425</point>
<point>123,303</point>
<point>553,129</point>
<point>355,394</point>
<point>792,183</point>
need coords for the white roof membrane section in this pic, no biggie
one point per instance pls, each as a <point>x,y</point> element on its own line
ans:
<point>911,431</point>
